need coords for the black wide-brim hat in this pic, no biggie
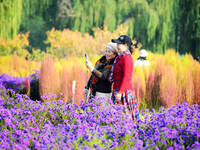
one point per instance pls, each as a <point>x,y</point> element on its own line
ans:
<point>123,39</point>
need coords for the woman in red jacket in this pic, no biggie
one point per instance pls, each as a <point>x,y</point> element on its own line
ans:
<point>121,76</point>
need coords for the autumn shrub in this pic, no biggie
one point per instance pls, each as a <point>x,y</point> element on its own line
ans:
<point>49,80</point>
<point>16,45</point>
<point>15,65</point>
<point>146,81</point>
<point>168,87</point>
<point>56,77</point>
<point>169,79</point>
<point>139,85</point>
<point>73,43</point>
<point>155,98</point>
<point>73,70</point>
<point>195,72</point>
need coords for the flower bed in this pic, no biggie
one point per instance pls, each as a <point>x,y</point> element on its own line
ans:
<point>27,124</point>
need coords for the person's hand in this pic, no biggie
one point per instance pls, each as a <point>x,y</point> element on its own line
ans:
<point>85,93</point>
<point>89,65</point>
<point>118,98</point>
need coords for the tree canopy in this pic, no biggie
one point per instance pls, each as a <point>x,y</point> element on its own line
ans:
<point>157,24</point>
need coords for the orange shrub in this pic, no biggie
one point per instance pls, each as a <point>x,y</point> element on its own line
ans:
<point>138,90</point>
<point>74,43</point>
<point>49,80</point>
<point>17,66</point>
<point>65,86</point>
<point>196,82</point>
<point>77,74</point>
<point>139,83</point>
<point>168,80</point>
<point>15,45</point>
<point>56,77</point>
<point>168,87</point>
<point>154,93</point>
<point>185,78</point>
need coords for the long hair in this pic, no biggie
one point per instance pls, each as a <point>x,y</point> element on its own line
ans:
<point>131,49</point>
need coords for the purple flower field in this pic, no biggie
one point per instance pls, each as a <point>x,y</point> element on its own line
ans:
<point>17,83</point>
<point>28,124</point>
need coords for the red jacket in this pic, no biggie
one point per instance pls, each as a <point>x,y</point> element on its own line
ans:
<point>122,74</point>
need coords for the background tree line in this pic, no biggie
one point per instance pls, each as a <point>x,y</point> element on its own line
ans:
<point>157,24</point>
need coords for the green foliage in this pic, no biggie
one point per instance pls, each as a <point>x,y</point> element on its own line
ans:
<point>16,45</point>
<point>157,24</point>
<point>110,19</point>
<point>24,13</point>
<point>64,13</point>
<point>37,28</point>
<point>10,17</point>
<point>188,27</point>
<point>32,7</point>
<point>33,22</point>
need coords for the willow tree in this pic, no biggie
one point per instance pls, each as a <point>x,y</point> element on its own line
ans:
<point>33,8</point>
<point>10,17</point>
<point>157,24</point>
<point>189,26</point>
<point>90,13</point>
<point>164,22</point>
<point>85,15</point>
<point>149,21</point>
<point>63,14</point>
<point>110,14</point>
<point>99,13</point>
<point>161,24</point>
<point>13,12</point>
<point>33,21</point>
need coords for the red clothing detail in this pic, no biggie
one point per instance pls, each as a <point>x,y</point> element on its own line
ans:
<point>122,74</point>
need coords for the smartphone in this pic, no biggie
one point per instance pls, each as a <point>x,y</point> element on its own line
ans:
<point>86,57</point>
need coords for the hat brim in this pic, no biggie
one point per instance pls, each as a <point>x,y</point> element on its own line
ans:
<point>116,41</point>
<point>144,54</point>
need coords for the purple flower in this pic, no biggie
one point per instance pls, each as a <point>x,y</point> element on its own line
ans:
<point>139,143</point>
<point>170,148</point>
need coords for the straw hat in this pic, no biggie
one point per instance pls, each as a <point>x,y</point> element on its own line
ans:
<point>143,53</point>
